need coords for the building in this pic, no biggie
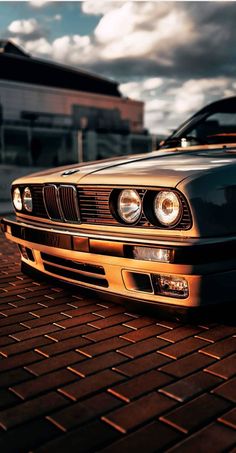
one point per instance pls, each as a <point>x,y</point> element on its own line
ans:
<point>51,114</point>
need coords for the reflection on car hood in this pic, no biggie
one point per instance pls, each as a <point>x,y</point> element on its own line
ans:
<point>160,168</point>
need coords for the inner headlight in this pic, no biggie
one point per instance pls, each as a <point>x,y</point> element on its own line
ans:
<point>129,206</point>
<point>167,208</point>
<point>27,200</point>
<point>16,198</point>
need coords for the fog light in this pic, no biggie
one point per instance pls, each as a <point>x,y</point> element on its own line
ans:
<point>169,285</point>
<point>152,254</point>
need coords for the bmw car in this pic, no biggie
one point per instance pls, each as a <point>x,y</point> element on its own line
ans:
<point>157,229</point>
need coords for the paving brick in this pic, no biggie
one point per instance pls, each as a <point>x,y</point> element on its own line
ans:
<point>227,390</point>
<point>214,437</point>
<point>43,321</point>
<point>14,376</point>
<point>138,386</point>
<point>220,349</point>
<point>142,334</point>
<point>84,439</point>
<point>179,333</point>
<point>27,437</point>
<point>23,346</point>
<point>5,340</point>
<point>79,413</point>
<point>225,368</point>
<point>14,292</point>
<point>18,360</point>
<point>191,386</point>
<point>142,364</point>
<point>182,348</point>
<point>229,418</point>
<point>7,321</point>
<point>105,334</point>
<point>142,347</point>
<point>138,412</point>
<point>203,409</point>
<point>152,438</point>
<point>11,330</point>
<point>92,384</point>
<point>109,322</point>
<point>62,346</point>
<point>7,398</point>
<point>138,323</point>
<point>217,333</point>
<point>114,310</point>
<point>50,310</point>
<point>4,307</point>
<point>42,384</point>
<point>59,361</point>
<point>64,334</point>
<point>20,302</point>
<point>93,365</point>
<point>187,365</point>
<point>92,350</point>
<point>29,410</point>
<point>31,333</point>
<point>77,321</point>
<point>82,310</point>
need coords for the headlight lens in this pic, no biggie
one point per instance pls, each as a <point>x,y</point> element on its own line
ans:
<point>16,198</point>
<point>167,208</point>
<point>129,206</point>
<point>27,200</point>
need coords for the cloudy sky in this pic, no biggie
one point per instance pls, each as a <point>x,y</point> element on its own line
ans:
<point>175,56</point>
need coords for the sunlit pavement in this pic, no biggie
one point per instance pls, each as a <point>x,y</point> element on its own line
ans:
<point>85,375</point>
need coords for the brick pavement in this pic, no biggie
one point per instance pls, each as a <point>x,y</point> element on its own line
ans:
<point>85,375</point>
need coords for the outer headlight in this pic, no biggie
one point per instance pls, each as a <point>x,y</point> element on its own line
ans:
<point>167,208</point>
<point>16,198</point>
<point>129,206</point>
<point>27,200</point>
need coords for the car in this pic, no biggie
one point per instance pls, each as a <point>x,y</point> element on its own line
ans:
<point>158,229</point>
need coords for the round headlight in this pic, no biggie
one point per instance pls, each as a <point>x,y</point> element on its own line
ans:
<point>167,208</point>
<point>129,206</point>
<point>16,198</point>
<point>27,200</point>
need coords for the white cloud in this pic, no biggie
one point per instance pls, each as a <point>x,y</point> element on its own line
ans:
<point>99,7</point>
<point>152,83</point>
<point>38,46</point>
<point>72,49</point>
<point>148,29</point>
<point>192,94</point>
<point>24,26</point>
<point>143,89</point>
<point>38,3</point>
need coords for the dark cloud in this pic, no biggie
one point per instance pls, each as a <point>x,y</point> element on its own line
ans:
<point>213,51</point>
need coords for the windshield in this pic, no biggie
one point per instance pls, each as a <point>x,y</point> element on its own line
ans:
<point>209,126</point>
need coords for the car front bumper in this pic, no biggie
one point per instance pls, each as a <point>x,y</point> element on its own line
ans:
<point>104,262</point>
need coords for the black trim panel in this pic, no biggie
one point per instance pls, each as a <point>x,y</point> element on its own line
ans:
<point>187,254</point>
<point>61,241</point>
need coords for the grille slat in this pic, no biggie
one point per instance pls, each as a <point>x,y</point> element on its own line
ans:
<point>51,202</point>
<point>92,202</point>
<point>76,276</point>
<point>69,203</point>
<point>90,268</point>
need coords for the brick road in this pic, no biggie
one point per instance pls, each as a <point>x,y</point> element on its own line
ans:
<point>85,375</point>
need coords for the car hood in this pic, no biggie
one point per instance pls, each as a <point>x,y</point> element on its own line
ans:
<point>165,168</point>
